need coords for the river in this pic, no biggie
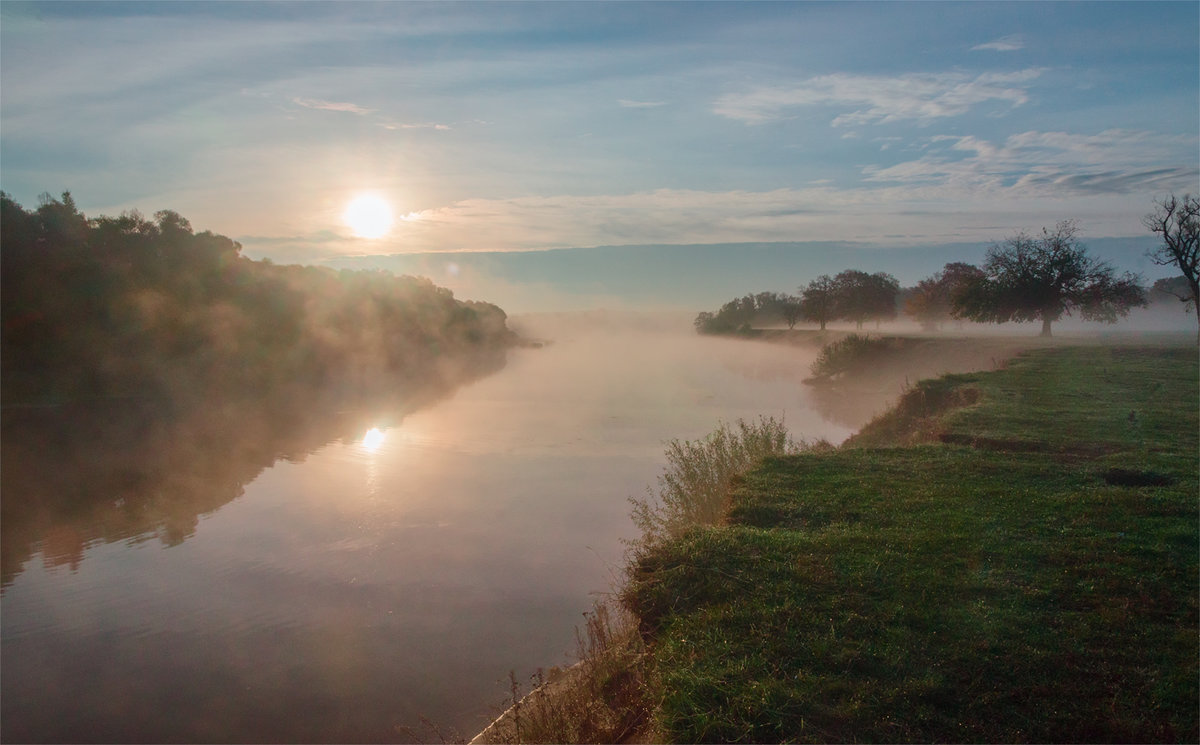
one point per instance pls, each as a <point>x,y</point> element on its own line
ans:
<point>345,584</point>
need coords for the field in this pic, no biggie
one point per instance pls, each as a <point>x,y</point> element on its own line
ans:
<point>1006,556</point>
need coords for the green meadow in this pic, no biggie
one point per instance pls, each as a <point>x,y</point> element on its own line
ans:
<point>1005,556</point>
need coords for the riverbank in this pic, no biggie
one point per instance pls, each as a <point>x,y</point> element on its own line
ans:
<point>1022,568</point>
<point>972,565</point>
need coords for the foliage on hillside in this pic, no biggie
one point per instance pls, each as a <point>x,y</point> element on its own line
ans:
<point>119,306</point>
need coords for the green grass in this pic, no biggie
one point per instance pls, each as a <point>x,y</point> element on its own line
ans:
<point>1109,398</point>
<point>998,592</point>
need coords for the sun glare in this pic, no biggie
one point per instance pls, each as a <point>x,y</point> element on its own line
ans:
<point>373,439</point>
<point>368,216</point>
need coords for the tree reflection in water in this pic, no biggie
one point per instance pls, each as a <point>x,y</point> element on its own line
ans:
<point>138,469</point>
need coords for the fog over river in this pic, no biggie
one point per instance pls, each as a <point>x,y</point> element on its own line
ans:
<point>391,567</point>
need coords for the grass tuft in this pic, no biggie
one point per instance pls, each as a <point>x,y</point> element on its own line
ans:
<point>694,487</point>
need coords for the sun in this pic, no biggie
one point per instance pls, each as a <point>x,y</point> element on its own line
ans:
<point>368,216</point>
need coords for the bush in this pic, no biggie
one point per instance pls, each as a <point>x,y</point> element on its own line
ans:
<point>848,354</point>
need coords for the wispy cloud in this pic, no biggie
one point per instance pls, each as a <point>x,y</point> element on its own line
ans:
<point>1052,164</point>
<point>350,108</point>
<point>1143,181</point>
<point>415,125</point>
<point>921,97</point>
<point>626,103</point>
<point>886,143</point>
<point>181,135</point>
<point>1010,43</point>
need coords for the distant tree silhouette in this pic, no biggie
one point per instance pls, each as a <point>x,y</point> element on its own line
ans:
<point>1171,290</point>
<point>932,301</point>
<point>861,297</point>
<point>740,314</point>
<point>1177,223</point>
<point>730,318</point>
<point>1045,278</point>
<point>792,311</point>
<point>818,300</point>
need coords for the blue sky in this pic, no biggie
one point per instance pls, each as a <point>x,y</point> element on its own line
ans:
<point>526,126</point>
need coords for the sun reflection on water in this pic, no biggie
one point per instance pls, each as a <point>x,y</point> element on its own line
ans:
<point>373,439</point>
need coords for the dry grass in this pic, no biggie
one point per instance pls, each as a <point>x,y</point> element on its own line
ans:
<point>694,487</point>
<point>602,698</point>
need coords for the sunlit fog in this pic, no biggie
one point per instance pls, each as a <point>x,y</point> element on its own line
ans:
<point>599,372</point>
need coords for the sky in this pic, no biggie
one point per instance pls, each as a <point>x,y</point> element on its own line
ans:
<point>500,127</point>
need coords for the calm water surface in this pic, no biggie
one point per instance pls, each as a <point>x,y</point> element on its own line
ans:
<point>392,568</point>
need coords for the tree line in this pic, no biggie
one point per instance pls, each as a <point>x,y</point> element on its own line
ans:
<point>1026,277</point>
<point>852,295</point>
<point>128,306</point>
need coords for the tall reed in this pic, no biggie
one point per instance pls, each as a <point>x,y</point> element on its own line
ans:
<point>694,486</point>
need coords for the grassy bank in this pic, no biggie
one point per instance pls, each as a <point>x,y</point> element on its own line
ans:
<point>1007,556</point>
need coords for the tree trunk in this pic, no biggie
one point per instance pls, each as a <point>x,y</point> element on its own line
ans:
<point>1196,302</point>
<point>1046,327</point>
<point>822,324</point>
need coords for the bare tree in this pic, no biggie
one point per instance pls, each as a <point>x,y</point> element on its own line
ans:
<point>1177,222</point>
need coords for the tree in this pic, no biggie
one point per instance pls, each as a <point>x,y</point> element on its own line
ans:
<point>740,315</point>
<point>61,221</point>
<point>932,301</point>
<point>704,322</point>
<point>1170,290</point>
<point>102,307</point>
<point>1031,279</point>
<point>792,311</point>
<point>1177,222</point>
<point>768,307</point>
<point>736,316</point>
<point>818,300</point>
<point>861,296</point>
<point>732,317</point>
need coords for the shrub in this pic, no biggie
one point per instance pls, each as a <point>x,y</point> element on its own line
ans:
<point>845,355</point>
